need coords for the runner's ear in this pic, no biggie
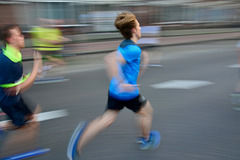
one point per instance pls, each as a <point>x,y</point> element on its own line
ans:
<point>133,30</point>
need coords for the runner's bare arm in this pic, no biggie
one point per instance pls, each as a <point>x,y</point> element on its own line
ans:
<point>36,66</point>
<point>30,80</point>
<point>111,64</point>
<point>144,62</point>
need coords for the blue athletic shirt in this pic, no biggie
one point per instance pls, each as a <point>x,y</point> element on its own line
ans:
<point>11,70</point>
<point>127,72</point>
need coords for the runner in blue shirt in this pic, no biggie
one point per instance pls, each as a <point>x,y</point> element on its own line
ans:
<point>123,67</point>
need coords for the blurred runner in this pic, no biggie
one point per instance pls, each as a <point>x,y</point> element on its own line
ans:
<point>48,41</point>
<point>23,123</point>
<point>123,67</point>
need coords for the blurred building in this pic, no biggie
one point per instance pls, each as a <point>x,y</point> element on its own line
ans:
<point>98,15</point>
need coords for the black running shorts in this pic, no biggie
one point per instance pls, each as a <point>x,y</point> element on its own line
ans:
<point>17,112</point>
<point>134,104</point>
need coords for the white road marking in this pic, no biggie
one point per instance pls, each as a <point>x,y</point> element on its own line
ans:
<point>50,81</point>
<point>44,116</point>
<point>181,84</point>
<point>52,115</point>
<point>155,65</point>
<point>234,66</point>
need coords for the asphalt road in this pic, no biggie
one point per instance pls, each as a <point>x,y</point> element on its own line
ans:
<point>196,122</point>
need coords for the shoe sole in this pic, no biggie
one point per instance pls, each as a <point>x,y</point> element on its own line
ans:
<point>72,146</point>
<point>29,154</point>
<point>139,141</point>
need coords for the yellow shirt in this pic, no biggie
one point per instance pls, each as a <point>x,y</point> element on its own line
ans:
<point>41,36</point>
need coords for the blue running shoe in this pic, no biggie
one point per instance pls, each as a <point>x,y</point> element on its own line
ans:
<point>29,154</point>
<point>153,142</point>
<point>147,144</point>
<point>72,146</point>
<point>157,139</point>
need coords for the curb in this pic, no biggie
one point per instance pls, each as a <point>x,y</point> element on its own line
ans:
<point>143,47</point>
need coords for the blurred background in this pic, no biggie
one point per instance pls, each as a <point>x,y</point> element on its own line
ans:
<point>92,16</point>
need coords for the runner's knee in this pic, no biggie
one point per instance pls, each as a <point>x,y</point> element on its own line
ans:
<point>146,110</point>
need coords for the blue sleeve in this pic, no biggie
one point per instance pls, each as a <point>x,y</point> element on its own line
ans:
<point>131,53</point>
<point>3,69</point>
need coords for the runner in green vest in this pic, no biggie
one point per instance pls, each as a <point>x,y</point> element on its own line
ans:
<point>49,42</point>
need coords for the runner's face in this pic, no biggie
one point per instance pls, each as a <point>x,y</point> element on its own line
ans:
<point>138,30</point>
<point>17,38</point>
